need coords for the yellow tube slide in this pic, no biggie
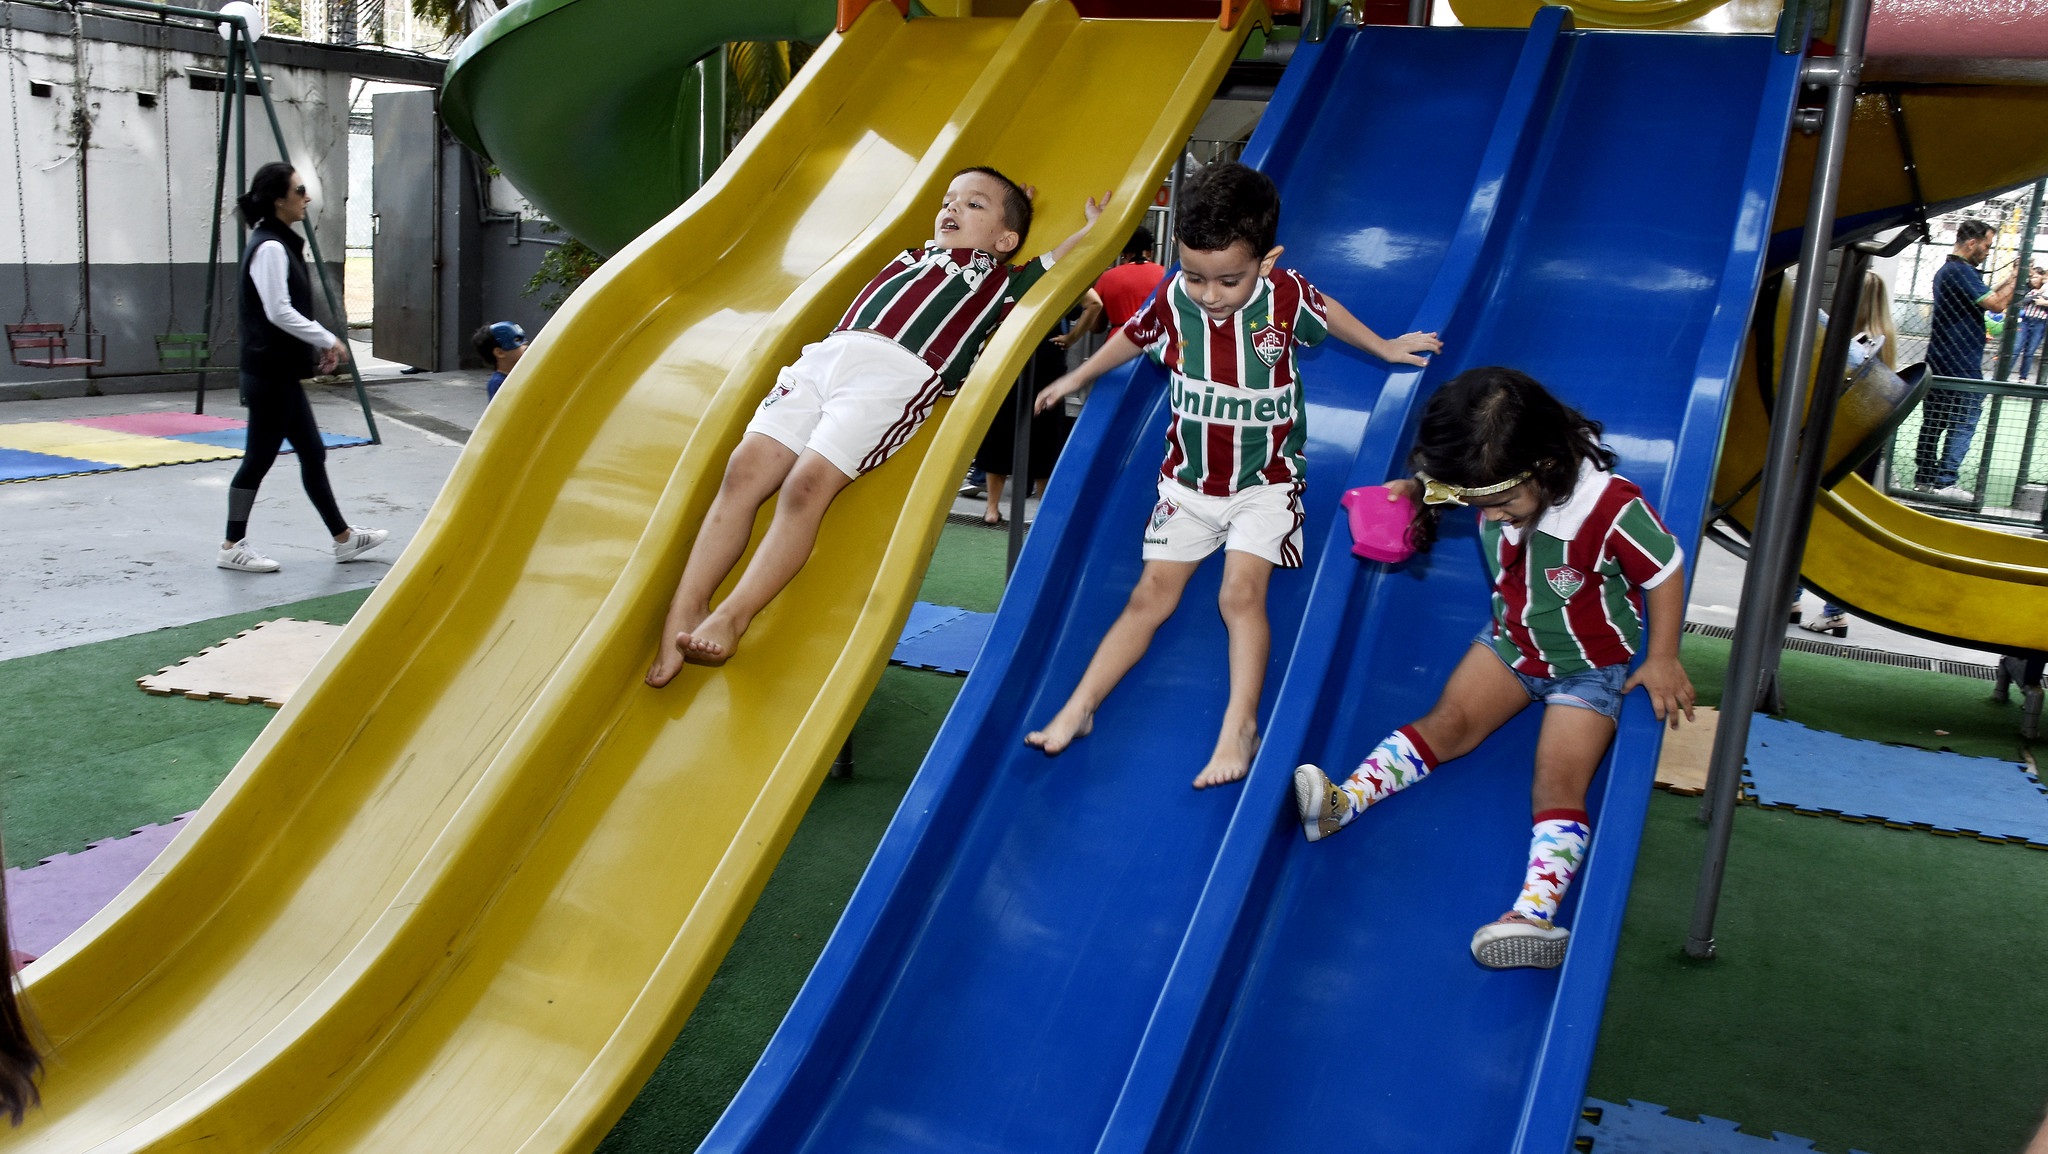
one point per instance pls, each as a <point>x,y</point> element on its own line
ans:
<point>1943,578</point>
<point>466,888</point>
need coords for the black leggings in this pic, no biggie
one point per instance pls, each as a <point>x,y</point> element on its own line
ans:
<point>280,412</point>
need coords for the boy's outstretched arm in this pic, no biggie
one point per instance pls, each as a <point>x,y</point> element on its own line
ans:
<point>1092,210</point>
<point>1406,349</point>
<point>1660,673</point>
<point>1117,350</point>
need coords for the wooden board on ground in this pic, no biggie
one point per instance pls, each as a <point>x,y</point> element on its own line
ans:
<point>264,664</point>
<point>1682,768</point>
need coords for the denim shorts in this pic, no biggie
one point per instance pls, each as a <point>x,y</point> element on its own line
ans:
<point>1596,689</point>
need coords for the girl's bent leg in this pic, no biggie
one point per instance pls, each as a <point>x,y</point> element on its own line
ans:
<point>1152,601</point>
<point>1242,602</point>
<point>756,470</point>
<point>1480,696</point>
<point>1567,753</point>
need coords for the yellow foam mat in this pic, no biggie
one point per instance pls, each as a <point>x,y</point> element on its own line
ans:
<point>83,442</point>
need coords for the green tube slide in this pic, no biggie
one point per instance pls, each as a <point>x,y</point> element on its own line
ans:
<point>593,108</point>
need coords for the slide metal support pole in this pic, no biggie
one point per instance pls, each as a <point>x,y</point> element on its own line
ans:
<point>2021,264</point>
<point>1760,622</point>
<point>1830,379</point>
<point>1020,459</point>
<point>220,180</point>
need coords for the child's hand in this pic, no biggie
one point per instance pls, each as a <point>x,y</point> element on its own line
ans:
<point>1095,206</point>
<point>1053,393</point>
<point>1669,688</point>
<point>1407,487</point>
<point>1412,348</point>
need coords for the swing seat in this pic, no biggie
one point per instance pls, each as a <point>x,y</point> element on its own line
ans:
<point>45,345</point>
<point>183,352</point>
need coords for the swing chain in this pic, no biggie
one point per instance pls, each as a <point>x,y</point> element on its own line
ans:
<point>81,131</point>
<point>20,191</point>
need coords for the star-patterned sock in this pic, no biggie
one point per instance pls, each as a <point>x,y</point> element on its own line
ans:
<point>1394,764</point>
<point>1557,847</point>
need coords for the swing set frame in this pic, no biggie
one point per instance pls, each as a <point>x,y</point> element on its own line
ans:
<point>243,72</point>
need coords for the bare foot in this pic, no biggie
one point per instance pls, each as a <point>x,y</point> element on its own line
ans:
<point>1232,759</point>
<point>668,661</point>
<point>710,643</point>
<point>1067,725</point>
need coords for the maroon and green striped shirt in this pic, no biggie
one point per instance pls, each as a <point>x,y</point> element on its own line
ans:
<point>1237,399</point>
<point>1564,593</point>
<point>942,304</point>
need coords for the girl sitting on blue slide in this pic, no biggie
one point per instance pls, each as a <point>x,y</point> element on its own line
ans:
<point>1568,542</point>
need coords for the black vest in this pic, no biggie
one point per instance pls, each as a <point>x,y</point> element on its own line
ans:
<point>269,352</point>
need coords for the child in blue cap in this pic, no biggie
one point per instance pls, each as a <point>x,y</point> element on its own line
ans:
<point>500,344</point>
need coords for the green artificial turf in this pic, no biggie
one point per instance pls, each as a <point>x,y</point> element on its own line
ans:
<point>1874,702</point>
<point>89,755</point>
<point>1872,988</point>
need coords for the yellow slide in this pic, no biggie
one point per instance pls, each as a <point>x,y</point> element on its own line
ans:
<point>1943,578</point>
<point>466,888</point>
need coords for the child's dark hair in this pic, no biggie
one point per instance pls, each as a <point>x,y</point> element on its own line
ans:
<point>1016,205</point>
<point>1225,204</point>
<point>485,342</point>
<point>271,184</point>
<point>20,1062</point>
<point>1491,424</point>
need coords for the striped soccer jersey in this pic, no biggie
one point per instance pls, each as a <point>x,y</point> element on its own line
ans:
<point>1237,399</point>
<point>942,304</point>
<point>1564,598</point>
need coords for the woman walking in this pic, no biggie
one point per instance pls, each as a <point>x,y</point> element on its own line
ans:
<point>281,346</point>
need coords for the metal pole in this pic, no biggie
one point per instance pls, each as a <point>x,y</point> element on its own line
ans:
<point>1830,378</point>
<point>220,179</point>
<point>313,241</point>
<point>2021,263</point>
<point>1760,623</point>
<point>1020,459</point>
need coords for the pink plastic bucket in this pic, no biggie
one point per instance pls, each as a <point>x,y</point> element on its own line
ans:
<point>1379,527</point>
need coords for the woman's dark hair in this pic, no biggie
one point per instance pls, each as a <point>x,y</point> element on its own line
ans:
<point>19,1061</point>
<point>1016,204</point>
<point>1225,204</point>
<point>1488,425</point>
<point>272,183</point>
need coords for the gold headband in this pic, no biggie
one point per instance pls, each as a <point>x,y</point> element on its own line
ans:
<point>1435,492</point>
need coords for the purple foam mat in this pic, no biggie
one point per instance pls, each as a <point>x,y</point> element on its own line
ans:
<point>46,902</point>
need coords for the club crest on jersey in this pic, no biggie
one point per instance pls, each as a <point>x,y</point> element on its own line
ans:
<point>1565,580</point>
<point>973,272</point>
<point>1268,341</point>
<point>775,394</point>
<point>1162,513</point>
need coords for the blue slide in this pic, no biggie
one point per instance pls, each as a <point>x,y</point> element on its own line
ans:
<point>1083,953</point>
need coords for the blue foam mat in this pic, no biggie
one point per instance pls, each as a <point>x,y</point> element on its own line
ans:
<point>942,638</point>
<point>1644,1128</point>
<point>1793,766</point>
<point>238,438</point>
<point>22,465</point>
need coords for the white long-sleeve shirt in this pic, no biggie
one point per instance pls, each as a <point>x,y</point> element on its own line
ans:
<point>267,269</point>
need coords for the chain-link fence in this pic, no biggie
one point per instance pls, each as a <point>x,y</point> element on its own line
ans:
<point>1969,305</point>
<point>1999,441</point>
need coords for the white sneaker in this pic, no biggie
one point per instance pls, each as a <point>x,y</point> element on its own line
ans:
<point>1513,943</point>
<point>1323,808</point>
<point>360,541</point>
<point>1954,493</point>
<point>239,556</point>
